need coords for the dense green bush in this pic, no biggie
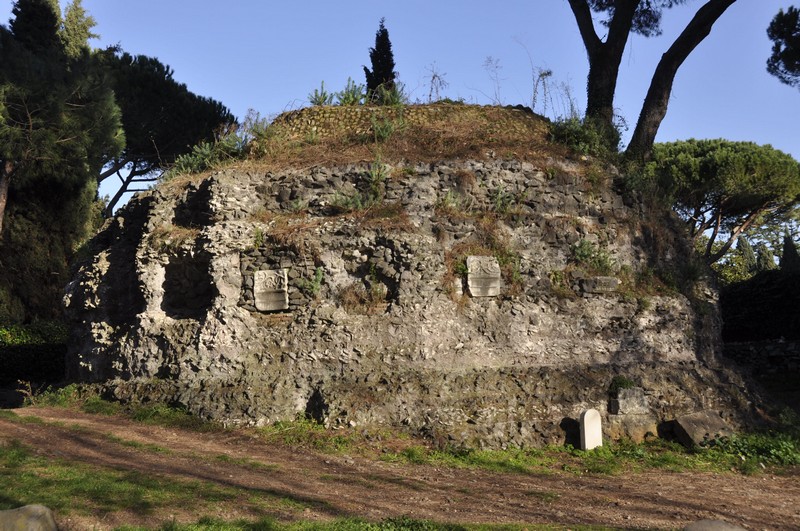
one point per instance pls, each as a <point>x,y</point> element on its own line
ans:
<point>585,138</point>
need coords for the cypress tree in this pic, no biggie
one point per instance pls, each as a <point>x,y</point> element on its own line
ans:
<point>790,260</point>
<point>35,25</point>
<point>749,264</point>
<point>77,30</point>
<point>382,75</point>
<point>765,260</point>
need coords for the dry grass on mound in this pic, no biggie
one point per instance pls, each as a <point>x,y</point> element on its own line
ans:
<point>462,132</point>
<point>401,135</point>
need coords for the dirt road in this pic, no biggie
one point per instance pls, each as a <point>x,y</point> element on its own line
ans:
<point>319,486</point>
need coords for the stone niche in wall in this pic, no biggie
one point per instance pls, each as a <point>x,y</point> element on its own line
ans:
<point>188,288</point>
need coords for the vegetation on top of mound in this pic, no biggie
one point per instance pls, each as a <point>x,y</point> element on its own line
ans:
<point>330,136</point>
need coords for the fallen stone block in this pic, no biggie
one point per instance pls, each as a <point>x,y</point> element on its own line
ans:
<point>637,428</point>
<point>700,427</point>
<point>28,518</point>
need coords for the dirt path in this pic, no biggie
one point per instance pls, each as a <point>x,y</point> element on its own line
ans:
<point>323,486</point>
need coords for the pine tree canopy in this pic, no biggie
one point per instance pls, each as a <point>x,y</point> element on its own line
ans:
<point>784,32</point>
<point>723,187</point>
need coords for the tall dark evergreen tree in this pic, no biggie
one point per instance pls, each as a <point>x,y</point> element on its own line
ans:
<point>382,76</point>
<point>36,24</point>
<point>765,260</point>
<point>784,32</point>
<point>790,259</point>
<point>58,123</point>
<point>749,263</point>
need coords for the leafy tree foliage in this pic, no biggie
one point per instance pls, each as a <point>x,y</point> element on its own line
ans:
<point>58,124</point>
<point>624,17</point>
<point>736,266</point>
<point>382,76</point>
<point>723,188</point>
<point>162,119</point>
<point>784,32</point>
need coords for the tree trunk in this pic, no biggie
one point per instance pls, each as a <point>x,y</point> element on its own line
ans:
<point>5,181</point>
<point>655,103</point>
<point>604,57</point>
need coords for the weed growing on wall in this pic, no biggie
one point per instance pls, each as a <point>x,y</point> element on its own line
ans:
<point>595,258</point>
<point>312,286</point>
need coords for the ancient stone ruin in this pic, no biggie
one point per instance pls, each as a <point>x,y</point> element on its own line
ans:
<point>444,299</point>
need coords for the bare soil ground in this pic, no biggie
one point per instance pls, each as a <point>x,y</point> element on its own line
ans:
<point>320,486</point>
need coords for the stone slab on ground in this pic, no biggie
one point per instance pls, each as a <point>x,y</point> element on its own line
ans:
<point>28,518</point>
<point>696,428</point>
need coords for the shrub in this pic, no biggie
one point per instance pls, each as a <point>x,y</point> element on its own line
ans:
<point>620,382</point>
<point>353,94</point>
<point>320,96</point>
<point>38,333</point>
<point>585,138</point>
<point>208,155</point>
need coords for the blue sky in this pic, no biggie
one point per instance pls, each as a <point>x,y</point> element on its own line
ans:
<point>269,55</point>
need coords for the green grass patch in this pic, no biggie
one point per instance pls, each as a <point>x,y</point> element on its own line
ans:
<point>95,405</point>
<point>306,433</point>
<point>138,445</point>
<point>511,460</point>
<point>76,488</point>
<point>744,453</point>
<point>171,417</point>
<point>7,414</point>
<point>246,462</point>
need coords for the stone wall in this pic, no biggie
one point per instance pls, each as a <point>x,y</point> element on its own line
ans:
<point>381,324</point>
<point>325,121</point>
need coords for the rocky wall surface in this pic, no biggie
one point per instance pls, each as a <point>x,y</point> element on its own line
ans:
<point>345,294</point>
<point>326,121</point>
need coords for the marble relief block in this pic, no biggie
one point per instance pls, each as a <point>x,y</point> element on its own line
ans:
<point>270,289</point>
<point>483,276</point>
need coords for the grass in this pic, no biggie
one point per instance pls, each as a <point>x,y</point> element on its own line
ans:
<point>746,453</point>
<point>71,487</point>
<point>305,433</point>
